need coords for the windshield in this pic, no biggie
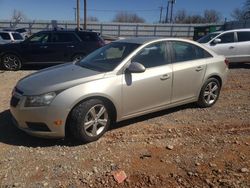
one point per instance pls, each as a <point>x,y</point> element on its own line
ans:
<point>208,37</point>
<point>107,58</point>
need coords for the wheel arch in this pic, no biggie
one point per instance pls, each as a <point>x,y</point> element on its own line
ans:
<point>217,77</point>
<point>106,100</point>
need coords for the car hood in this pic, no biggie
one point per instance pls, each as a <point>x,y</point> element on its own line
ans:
<point>56,78</point>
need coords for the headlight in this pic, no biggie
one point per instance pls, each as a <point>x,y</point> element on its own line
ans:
<point>40,100</point>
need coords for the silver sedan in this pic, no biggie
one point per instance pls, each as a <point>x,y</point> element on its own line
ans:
<point>121,80</point>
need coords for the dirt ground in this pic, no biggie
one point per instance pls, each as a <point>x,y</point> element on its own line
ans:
<point>181,147</point>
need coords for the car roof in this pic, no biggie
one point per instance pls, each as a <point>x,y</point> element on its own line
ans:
<point>234,30</point>
<point>9,32</point>
<point>139,40</point>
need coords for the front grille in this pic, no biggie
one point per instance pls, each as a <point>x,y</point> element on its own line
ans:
<point>14,101</point>
<point>38,126</point>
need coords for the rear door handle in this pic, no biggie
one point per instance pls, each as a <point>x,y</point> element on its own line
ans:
<point>165,77</point>
<point>71,46</point>
<point>199,68</point>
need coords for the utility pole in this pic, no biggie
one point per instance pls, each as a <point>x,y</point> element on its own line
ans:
<point>161,8</point>
<point>85,15</point>
<point>75,14</point>
<point>172,7</point>
<point>78,14</point>
<point>166,19</point>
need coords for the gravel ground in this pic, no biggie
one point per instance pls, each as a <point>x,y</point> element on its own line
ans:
<point>181,147</point>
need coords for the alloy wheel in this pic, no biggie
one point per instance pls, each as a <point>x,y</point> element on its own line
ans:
<point>11,62</point>
<point>211,92</point>
<point>95,120</point>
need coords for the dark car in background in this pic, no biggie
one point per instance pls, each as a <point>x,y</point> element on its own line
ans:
<point>55,46</point>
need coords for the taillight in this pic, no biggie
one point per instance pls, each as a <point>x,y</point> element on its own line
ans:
<point>226,62</point>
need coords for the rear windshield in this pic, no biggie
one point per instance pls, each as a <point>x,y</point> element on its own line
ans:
<point>17,36</point>
<point>5,36</point>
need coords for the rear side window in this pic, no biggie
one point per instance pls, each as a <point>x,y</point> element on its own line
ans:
<point>88,37</point>
<point>64,37</point>
<point>17,36</point>
<point>183,51</point>
<point>243,36</point>
<point>5,36</point>
<point>227,38</point>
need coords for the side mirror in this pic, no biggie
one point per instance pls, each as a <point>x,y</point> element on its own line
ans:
<point>135,67</point>
<point>216,41</point>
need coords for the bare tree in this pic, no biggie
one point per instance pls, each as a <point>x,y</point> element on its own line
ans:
<point>181,16</point>
<point>211,16</point>
<point>128,17</point>
<point>17,17</point>
<point>92,19</point>
<point>237,14</point>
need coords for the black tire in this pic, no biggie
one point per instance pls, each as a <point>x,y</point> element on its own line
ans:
<point>82,116</point>
<point>11,62</point>
<point>77,57</point>
<point>210,92</point>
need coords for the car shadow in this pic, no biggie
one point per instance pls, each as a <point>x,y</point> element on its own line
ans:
<point>152,115</point>
<point>239,66</point>
<point>11,135</point>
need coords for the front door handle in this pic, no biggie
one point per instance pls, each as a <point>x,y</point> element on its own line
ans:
<point>165,77</point>
<point>44,47</point>
<point>199,68</point>
<point>71,46</point>
<point>231,47</point>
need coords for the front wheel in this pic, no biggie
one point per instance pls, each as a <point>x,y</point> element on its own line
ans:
<point>210,92</point>
<point>11,62</point>
<point>89,120</point>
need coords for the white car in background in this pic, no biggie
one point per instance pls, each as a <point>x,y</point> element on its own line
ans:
<point>233,44</point>
<point>10,37</point>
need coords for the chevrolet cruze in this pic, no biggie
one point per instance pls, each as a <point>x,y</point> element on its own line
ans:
<point>121,80</point>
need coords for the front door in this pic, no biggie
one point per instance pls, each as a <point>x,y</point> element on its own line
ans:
<point>227,46</point>
<point>36,49</point>
<point>152,88</point>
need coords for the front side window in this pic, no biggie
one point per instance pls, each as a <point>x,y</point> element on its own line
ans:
<point>208,37</point>
<point>152,55</point>
<point>107,58</point>
<point>226,38</point>
<point>39,38</point>
<point>183,51</point>
<point>17,36</point>
<point>243,36</point>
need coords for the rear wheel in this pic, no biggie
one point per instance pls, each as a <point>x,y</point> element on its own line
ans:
<point>11,62</point>
<point>89,120</point>
<point>210,92</point>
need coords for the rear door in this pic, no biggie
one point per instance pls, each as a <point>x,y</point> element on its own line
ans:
<point>243,46</point>
<point>64,45</point>
<point>189,66</point>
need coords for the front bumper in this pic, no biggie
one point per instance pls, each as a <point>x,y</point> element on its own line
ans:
<point>24,117</point>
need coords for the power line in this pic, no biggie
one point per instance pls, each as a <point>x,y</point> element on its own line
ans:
<point>140,10</point>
